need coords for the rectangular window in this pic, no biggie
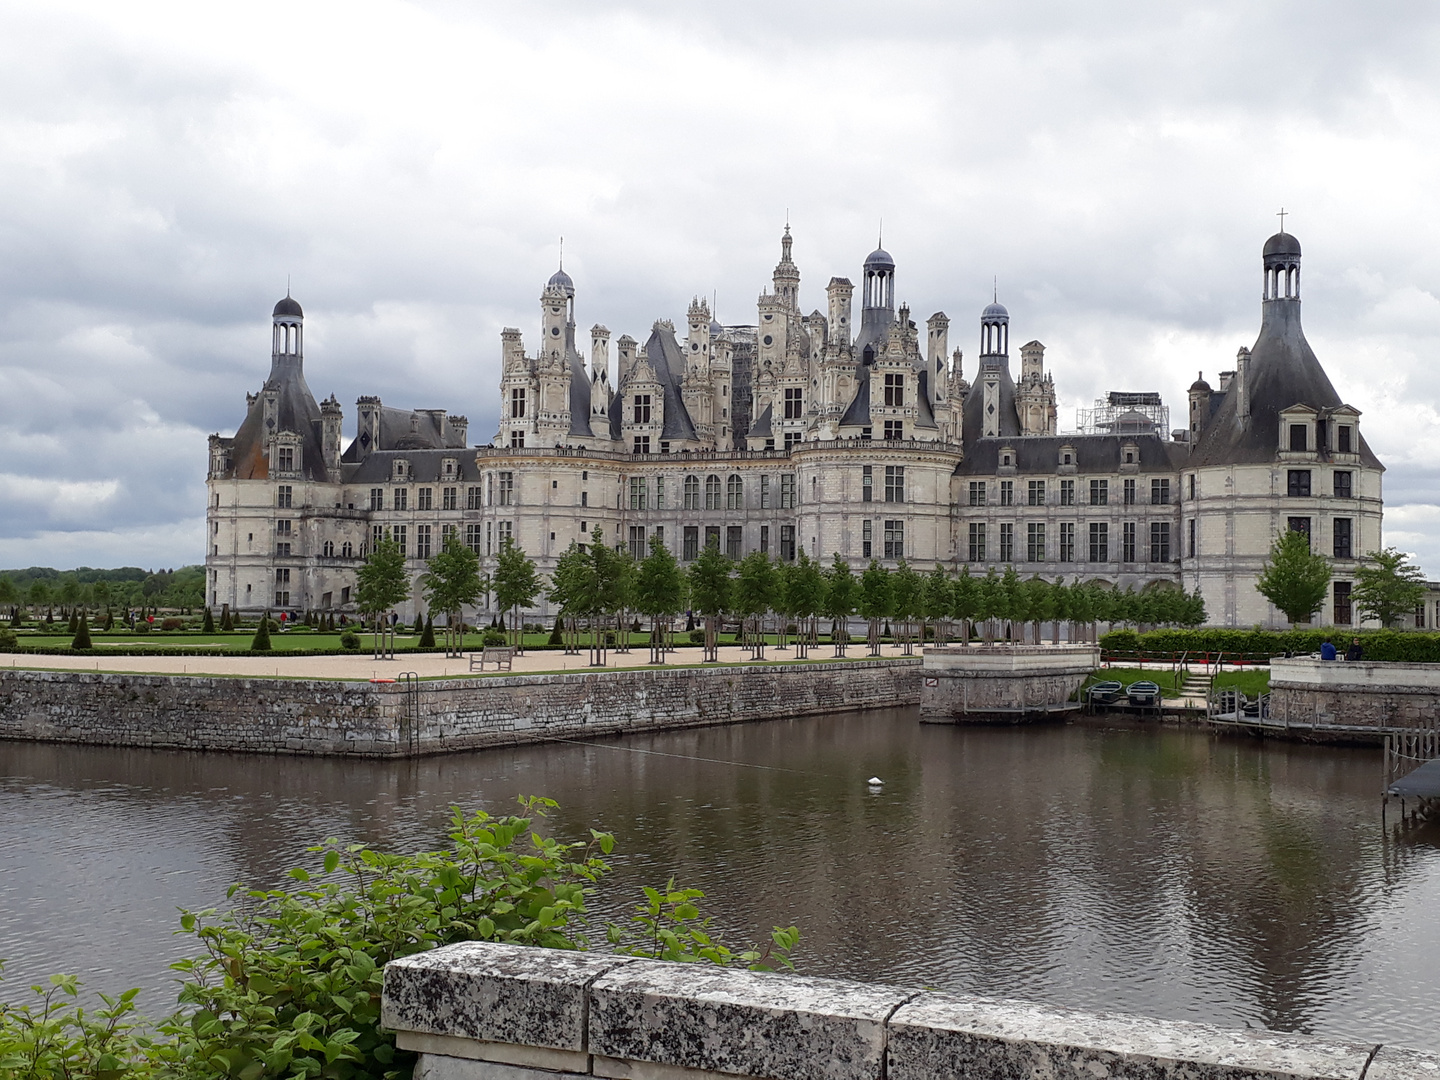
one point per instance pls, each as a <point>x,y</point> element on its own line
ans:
<point>1344,538</point>
<point>402,499</point>
<point>506,485</point>
<point>489,544</point>
<point>447,498</point>
<point>791,439</point>
<point>1067,542</point>
<point>691,495</point>
<point>734,542</point>
<point>517,440</point>
<point>977,541</point>
<point>282,598</point>
<point>1300,525</point>
<point>894,390</point>
<point>1099,541</point>
<point>1342,603</point>
<point>472,498</point>
<point>1159,541</point>
<point>1190,538</point>
<point>867,483</point>
<point>282,549</point>
<point>284,497</point>
<point>641,444</point>
<point>894,429</point>
<point>283,527</point>
<point>787,493</point>
<point>1035,493</point>
<point>424,499</point>
<point>691,549</point>
<point>1342,439</point>
<point>978,489</point>
<point>398,534</point>
<point>764,539</point>
<point>894,539</point>
<point>642,408</point>
<point>787,542</point>
<point>894,483</point>
<point>287,459</point>
<point>794,403</point>
<point>1067,492</point>
<point>517,404</point>
<point>639,497</point>
<point>422,541</point>
<point>1035,541</point>
<point>1099,492</point>
<point>1190,480</point>
<point>447,531</point>
<point>1344,488</point>
<point>472,537</point>
<point>712,493</point>
<point>712,537</point>
<point>1127,542</point>
<point>867,539</point>
<point>637,542</point>
<point>377,533</point>
<point>1007,492</point>
<point>1298,438</point>
<point>345,596</point>
<point>659,493</point>
<point>584,498</point>
<point>1420,616</point>
<point>504,532</point>
<point>377,498</point>
<point>765,492</point>
<point>1129,495</point>
<point>1007,542</point>
<point>1298,485</point>
<point>1159,492</point>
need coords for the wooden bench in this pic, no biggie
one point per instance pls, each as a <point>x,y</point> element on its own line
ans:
<point>499,655</point>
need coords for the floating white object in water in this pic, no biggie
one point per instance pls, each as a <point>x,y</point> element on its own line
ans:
<point>875,781</point>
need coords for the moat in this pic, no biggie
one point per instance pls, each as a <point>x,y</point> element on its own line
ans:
<point>1162,872</point>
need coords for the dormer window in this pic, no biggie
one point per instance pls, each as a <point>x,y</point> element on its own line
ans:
<point>1343,436</point>
<point>449,468</point>
<point>1299,438</point>
<point>401,469</point>
<point>1066,459</point>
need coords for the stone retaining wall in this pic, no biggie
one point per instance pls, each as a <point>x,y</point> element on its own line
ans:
<point>1003,682</point>
<point>480,1011</point>
<point>289,716</point>
<point>1354,697</point>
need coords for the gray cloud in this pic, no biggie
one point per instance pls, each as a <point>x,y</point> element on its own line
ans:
<point>1115,165</point>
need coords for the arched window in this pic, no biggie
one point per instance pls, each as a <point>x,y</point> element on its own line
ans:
<point>692,493</point>
<point>734,493</point>
<point>712,493</point>
<point>347,550</point>
<point>329,549</point>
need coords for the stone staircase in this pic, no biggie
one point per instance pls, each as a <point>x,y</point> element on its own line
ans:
<point>1196,685</point>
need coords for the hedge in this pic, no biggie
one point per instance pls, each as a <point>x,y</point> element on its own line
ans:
<point>1392,645</point>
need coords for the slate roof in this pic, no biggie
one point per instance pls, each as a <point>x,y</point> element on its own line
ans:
<point>668,359</point>
<point>974,411</point>
<point>1283,371</point>
<point>425,466</point>
<point>405,429</point>
<point>296,411</point>
<point>1102,454</point>
<point>762,428</point>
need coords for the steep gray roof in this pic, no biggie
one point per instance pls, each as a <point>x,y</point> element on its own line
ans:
<point>1283,371</point>
<point>1093,453</point>
<point>762,428</point>
<point>296,411</point>
<point>424,466</point>
<point>668,360</point>
<point>975,407</point>
<point>407,429</point>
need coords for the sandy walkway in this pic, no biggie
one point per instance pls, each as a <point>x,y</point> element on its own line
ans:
<point>362,666</point>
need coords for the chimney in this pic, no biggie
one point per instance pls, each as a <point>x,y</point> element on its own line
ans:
<point>1242,375</point>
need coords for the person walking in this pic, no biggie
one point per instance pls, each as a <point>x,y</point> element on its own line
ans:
<point>1355,652</point>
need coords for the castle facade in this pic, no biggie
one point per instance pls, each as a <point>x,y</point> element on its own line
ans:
<point>806,432</point>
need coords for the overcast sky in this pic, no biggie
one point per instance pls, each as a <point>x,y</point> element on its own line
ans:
<point>1115,165</point>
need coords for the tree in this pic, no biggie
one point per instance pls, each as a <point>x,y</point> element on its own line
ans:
<point>516,585</point>
<point>1012,600</point>
<point>1294,578</point>
<point>659,593</point>
<point>261,641</point>
<point>9,595</point>
<point>710,592</point>
<point>381,584</point>
<point>840,596</point>
<point>806,596</point>
<point>964,601</point>
<point>1038,603</point>
<point>451,581</point>
<point>569,589</point>
<point>905,599</point>
<point>935,603</point>
<point>82,634</point>
<point>1058,608</point>
<point>208,626</point>
<point>1387,586</point>
<point>875,600</point>
<point>753,592</point>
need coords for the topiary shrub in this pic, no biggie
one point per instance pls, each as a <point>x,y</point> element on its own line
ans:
<point>557,635</point>
<point>261,641</point>
<point>427,635</point>
<point>82,635</point>
<point>142,626</point>
<point>9,640</point>
<point>74,625</point>
<point>350,640</point>
<point>208,626</point>
<point>173,624</point>
<point>492,637</point>
<point>697,637</point>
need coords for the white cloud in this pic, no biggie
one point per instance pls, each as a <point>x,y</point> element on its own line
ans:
<point>164,167</point>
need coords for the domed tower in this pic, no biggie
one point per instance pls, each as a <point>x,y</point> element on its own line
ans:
<point>288,333</point>
<point>1282,268</point>
<point>995,336</point>
<point>994,376</point>
<point>787,276</point>
<point>877,303</point>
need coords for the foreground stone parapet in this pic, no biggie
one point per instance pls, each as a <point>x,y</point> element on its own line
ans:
<point>943,1035</point>
<point>1352,698</point>
<point>739,1022</point>
<point>499,1012</point>
<point>979,684</point>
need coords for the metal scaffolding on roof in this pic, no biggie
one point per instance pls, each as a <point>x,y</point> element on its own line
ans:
<point>1123,412</point>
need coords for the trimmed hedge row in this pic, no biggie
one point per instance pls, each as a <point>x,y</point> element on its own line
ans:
<point>1392,645</point>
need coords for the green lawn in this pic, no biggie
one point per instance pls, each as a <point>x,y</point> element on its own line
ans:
<point>1250,683</point>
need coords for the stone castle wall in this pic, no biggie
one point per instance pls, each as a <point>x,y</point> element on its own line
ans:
<point>1354,697</point>
<point>289,716</point>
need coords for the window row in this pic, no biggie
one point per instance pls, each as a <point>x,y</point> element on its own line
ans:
<point>1298,484</point>
<point>1094,544</point>
<point>1094,492</point>
<point>498,490</point>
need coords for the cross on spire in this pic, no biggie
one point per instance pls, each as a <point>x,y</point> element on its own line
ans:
<point>1281,216</point>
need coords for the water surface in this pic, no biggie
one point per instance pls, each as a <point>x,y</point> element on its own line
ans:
<point>1161,872</point>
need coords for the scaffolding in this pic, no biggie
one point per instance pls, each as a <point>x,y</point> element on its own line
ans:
<point>1125,413</point>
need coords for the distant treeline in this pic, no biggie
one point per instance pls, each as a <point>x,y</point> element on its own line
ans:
<point>42,587</point>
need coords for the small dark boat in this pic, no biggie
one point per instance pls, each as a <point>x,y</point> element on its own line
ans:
<point>1104,693</point>
<point>1143,694</point>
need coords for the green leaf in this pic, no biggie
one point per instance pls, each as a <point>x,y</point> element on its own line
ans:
<point>332,860</point>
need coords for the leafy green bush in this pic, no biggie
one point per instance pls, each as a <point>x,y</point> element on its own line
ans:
<point>349,640</point>
<point>1391,645</point>
<point>9,640</point>
<point>492,637</point>
<point>288,982</point>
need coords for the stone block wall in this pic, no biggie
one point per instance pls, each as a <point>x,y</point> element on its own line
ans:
<point>1354,697</point>
<point>289,716</point>
<point>1010,682</point>
<point>481,1011</point>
